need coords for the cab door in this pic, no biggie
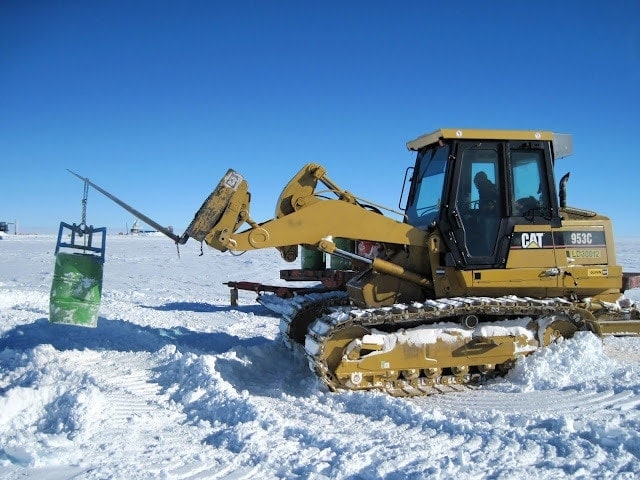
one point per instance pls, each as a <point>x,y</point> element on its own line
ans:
<point>531,216</point>
<point>476,214</point>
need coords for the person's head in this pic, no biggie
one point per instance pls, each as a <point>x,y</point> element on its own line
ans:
<point>480,179</point>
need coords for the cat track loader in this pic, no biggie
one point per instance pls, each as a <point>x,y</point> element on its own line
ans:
<point>488,264</point>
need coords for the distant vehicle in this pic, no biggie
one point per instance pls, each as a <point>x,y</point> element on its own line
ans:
<point>4,227</point>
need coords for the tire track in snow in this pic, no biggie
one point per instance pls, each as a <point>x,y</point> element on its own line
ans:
<point>568,401</point>
<point>147,425</point>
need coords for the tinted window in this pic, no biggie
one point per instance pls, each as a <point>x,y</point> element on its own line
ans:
<point>530,193</point>
<point>427,194</point>
<point>478,200</point>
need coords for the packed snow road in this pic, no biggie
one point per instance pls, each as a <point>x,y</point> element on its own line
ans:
<point>174,383</point>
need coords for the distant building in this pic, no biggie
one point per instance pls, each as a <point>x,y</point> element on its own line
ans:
<point>136,228</point>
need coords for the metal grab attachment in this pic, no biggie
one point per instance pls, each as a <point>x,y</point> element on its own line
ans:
<point>82,231</point>
<point>85,233</point>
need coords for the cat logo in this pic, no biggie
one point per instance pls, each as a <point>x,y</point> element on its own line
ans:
<point>531,240</point>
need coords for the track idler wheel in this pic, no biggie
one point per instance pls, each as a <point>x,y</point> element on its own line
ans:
<point>432,373</point>
<point>410,374</point>
<point>335,345</point>
<point>460,371</point>
<point>561,328</point>
<point>486,368</point>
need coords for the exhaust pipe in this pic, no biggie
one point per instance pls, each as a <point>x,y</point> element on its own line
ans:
<point>563,190</point>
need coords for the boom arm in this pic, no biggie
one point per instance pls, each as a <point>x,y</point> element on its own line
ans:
<point>302,218</point>
<point>308,226</point>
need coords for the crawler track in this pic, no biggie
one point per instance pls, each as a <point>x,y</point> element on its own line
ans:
<point>435,346</point>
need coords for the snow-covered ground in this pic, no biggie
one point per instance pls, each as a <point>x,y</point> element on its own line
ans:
<point>174,383</point>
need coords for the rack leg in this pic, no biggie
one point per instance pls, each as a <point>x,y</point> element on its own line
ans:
<point>234,297</point>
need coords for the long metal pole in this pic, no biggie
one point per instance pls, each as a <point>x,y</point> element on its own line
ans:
<point>135,212</point>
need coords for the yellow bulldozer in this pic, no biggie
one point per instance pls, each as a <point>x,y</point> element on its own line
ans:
<point>488,264</point>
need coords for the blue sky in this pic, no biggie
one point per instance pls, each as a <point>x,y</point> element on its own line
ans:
<point>154,100</point>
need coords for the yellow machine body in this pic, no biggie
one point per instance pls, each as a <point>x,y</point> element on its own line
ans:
<point>487,263</point>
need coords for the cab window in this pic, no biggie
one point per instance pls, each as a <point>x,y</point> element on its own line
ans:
<point>478,200</point>
<point>424,204</point>
<point>530,192</point>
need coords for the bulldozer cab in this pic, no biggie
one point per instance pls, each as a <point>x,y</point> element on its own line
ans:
<point>476,186</point>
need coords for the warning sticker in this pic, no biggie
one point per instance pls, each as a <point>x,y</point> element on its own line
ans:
<point>597,272</point>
